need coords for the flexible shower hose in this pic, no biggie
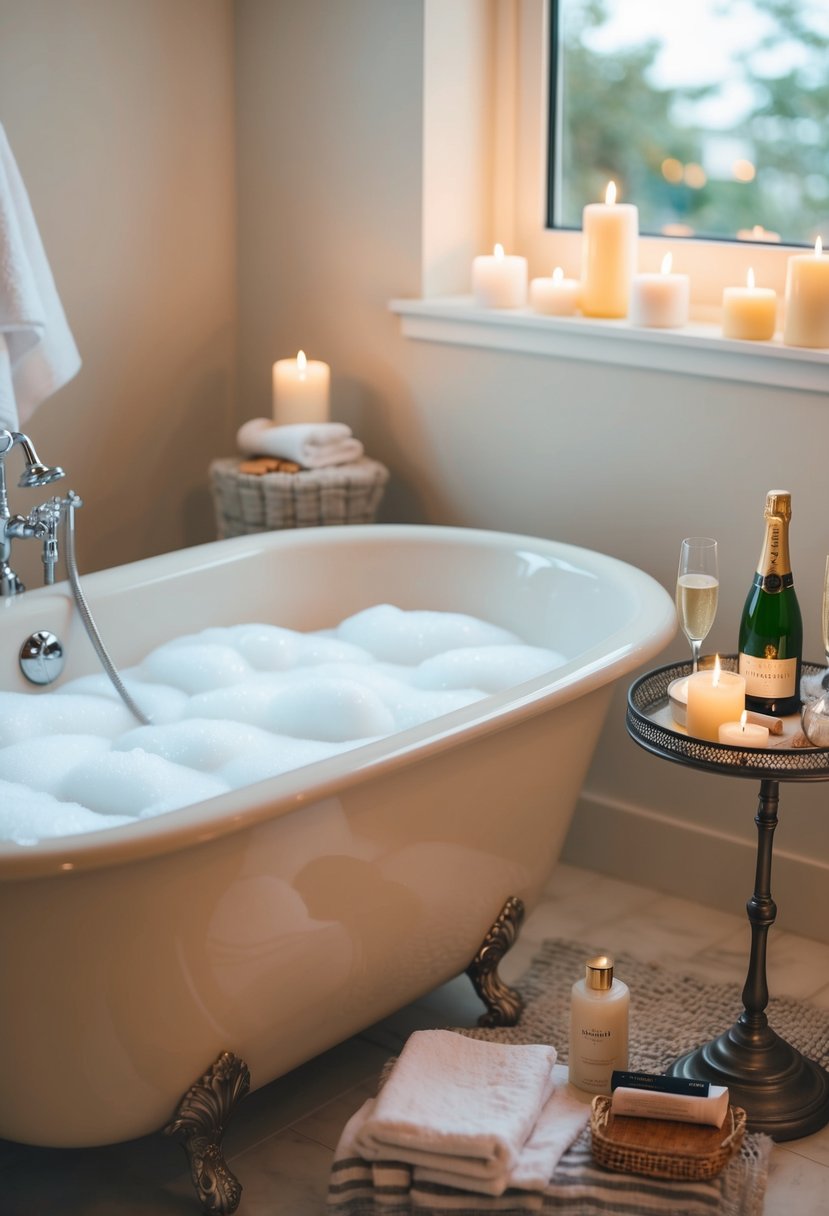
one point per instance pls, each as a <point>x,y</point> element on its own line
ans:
<point>70,502</point>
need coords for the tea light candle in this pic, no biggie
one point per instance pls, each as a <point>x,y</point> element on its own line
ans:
<point>744,734</point>
<point>806,318</point>
<point>499,280</point>
<point>555,296</point>
<point>749,312</point>
<point>714,697</point>
<point>300,390</point>
<point>610,231</point>
<point>660,300</point>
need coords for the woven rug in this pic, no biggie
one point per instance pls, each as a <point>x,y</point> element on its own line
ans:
<point>670,1014</point>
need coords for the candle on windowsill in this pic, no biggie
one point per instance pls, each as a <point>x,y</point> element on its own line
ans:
<point>555,296</point>
<point>660,300</point>
<point>714,697</point>
<point>743,733</point>
<point>300,390</point>
<point>749,312</point>
<point>806,317</point>
<point>499,280</point>
<point>758,233</point>
<point>610,232</point>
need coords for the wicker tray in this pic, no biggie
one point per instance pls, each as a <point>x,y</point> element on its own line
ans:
<point>663,1149</point>
<point>338,494</point>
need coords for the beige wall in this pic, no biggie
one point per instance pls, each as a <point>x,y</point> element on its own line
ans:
<point>120,116</point>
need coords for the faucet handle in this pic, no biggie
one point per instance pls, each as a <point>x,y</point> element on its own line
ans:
<point>6,441</point>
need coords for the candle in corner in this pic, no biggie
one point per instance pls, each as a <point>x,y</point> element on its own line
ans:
<point>300,390</point>
<point>610,232</point>
<point>806,317</point>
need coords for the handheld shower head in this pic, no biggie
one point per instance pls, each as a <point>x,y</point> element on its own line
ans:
<point>36,473</point>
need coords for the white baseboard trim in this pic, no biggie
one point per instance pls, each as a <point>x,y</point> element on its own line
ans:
<point>693,862</point>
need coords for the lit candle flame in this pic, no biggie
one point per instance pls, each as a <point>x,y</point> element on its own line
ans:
<point>498,251</point>
<point>558,274</point>
<point>610,194</point>
<point>818,247</point>
<point>743,720</point>
<point>750,279</point>
<point>667,263</point>
<point>301,364</point>
<point>716,678</point>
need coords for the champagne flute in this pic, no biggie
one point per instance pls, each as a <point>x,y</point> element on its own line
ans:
<point>697,588</point>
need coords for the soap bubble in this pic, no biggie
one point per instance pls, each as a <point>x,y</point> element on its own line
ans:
<point>491,668</point>
<point>409,637</point>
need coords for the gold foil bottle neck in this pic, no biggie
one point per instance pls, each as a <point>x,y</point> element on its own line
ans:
<point>778,505</point>
<point>598,973</point>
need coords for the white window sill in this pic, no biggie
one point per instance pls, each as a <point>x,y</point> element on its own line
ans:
<point>696,350</point>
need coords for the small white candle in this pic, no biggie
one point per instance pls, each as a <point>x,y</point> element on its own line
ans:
<point>300,390</point>
<point>714,697</point>
<point>806,320</point>
<point>499,280</point>
<point>660,300</point>
<point>610,232</point>
<point>758,233</point>
<point>749,312</point>
<point>555,296</point>
<point>744,734</point>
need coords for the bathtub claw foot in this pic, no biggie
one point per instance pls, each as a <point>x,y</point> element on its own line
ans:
<point>199,1123</point>
<point>504,1005</point>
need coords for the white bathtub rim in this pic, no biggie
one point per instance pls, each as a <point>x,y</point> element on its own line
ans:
<point>239,809</point>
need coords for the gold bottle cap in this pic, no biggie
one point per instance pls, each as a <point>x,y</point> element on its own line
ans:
<point>598,972</point>
<point>778,504</point>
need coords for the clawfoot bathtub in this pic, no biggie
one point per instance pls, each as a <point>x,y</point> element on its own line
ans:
<point>276,920</point>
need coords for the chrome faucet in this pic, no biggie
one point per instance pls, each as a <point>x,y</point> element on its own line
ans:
<point>40,524</point>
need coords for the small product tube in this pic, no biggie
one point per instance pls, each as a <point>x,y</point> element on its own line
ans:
<point>678,1108</point>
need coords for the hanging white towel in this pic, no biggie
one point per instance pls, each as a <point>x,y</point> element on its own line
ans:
<point>38,354</point>
<point>311,444</point>
<point>460,1108</point>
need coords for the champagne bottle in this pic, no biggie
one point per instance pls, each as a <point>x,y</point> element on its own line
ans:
<point>771,629</point>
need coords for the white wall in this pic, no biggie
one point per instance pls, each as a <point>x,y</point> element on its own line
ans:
<point>120,117</point>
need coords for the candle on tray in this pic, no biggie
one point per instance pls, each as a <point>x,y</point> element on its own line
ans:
<point>743,733</point>
<point>714,697</point>
<point>806,319</point>
<point>749,312</point>
<point>300,390</point>
<point>499,280</point>
<point>610,231</point>
<point>555,296</point>
<point>660,300</point>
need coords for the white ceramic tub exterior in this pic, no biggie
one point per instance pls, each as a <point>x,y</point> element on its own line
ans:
<point>278,919</point>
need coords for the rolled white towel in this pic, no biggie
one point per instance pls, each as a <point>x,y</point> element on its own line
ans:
<point>311,444</point>
<point>459,1107</point>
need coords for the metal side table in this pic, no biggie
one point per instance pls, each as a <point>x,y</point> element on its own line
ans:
<point>783,1093</point>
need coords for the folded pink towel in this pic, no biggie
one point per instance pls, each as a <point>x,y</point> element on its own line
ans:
<point>462,1111</point>
<point>314,445</point>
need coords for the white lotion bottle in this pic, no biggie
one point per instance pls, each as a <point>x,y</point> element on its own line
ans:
<point>599,1010</point>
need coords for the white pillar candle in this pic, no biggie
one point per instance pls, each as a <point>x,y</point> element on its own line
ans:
<point>749,312</point>
<point>300,390</point>
<point>806,319</point>
<point>555,296</point>
<point>499,280</point>
<point>743,733</point>
<point>660,300</point>
<point>714,697</point>
<point>610,232</point>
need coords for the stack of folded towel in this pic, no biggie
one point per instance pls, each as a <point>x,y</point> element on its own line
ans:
<point>312,445</point>
<point>471,1114</point>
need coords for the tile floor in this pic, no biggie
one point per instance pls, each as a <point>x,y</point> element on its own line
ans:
<point>281,1139</point>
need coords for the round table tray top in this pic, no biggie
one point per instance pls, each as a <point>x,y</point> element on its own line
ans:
<point>650,723</point>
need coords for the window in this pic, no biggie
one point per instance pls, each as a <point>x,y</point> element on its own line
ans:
<point>709,114</point>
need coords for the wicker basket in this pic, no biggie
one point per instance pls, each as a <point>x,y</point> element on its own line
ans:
<point>662,1149</point>
<point>338,494</point>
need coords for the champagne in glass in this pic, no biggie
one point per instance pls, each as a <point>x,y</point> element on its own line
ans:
<point>697,588</point>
